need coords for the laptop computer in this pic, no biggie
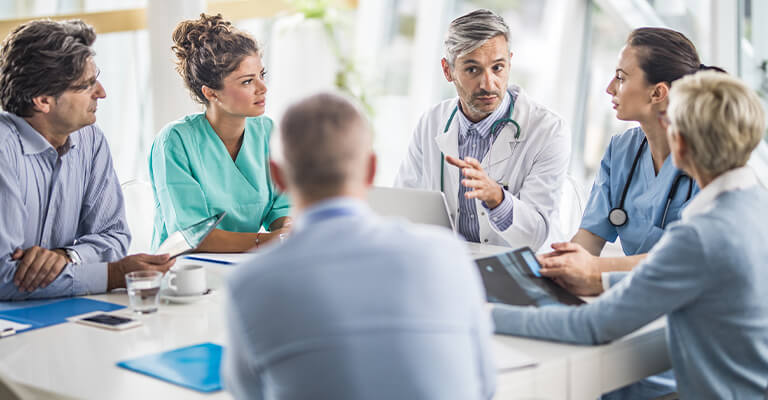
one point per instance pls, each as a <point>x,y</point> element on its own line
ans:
<point>416,205</point>
<point>513,278</point>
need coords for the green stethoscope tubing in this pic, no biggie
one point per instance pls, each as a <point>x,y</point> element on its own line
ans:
<point>493,129</point>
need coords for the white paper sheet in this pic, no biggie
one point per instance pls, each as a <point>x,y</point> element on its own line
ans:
<point>4,324</point>
<point>507,358</point>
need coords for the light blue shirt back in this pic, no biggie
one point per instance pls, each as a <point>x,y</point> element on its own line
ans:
<point>708,274</point>
<point>71,200</point>
<point>356,307</point>
<point>646,196</point>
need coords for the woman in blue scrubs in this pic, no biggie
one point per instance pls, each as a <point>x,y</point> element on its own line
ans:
<point>638,190</point>
<point>217,160</point>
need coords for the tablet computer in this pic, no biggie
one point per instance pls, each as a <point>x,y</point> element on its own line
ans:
<point>189,238</point>
<point>514,278</point>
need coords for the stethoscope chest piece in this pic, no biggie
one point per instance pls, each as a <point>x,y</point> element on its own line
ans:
<point>618,217</point>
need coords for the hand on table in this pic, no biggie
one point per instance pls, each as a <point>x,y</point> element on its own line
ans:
<point>483,187</point>
<point>573,268</point>
<point>274,235</point>
<point>138,262</point>
<point>37,267</point>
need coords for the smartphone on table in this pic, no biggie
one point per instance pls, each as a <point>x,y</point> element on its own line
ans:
<point>101,319</point>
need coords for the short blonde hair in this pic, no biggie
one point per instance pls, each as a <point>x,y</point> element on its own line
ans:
<point>721,119</point>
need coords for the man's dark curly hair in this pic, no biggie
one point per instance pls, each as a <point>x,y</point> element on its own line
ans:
<point>42,58</point>
<point>207,50</point>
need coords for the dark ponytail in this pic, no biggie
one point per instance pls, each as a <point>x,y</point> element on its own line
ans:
<point>703,67</point>
<point>665,55</point>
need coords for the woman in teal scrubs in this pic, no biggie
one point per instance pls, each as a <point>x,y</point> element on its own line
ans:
<point>217,161</point>
<point>638,191</point>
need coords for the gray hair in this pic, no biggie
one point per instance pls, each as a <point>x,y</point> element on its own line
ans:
<point>721,119</point>
<point>470,31</point>
<point>324,145</point>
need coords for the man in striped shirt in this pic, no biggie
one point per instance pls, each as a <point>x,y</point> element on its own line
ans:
<point>499,157</point>
<point>63,230</point>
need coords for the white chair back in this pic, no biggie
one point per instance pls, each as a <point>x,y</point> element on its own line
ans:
<point>140,212</point>
<point>759,162</point>
<point>572,203</point>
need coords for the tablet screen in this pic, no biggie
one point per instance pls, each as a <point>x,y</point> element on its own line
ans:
<point>187,239</point>
<point>514,278</point>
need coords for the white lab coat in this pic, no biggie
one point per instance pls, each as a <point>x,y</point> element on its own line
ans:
<point>533,166</point>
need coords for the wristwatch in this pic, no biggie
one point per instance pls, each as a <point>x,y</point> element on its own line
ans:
<point>74,258</point>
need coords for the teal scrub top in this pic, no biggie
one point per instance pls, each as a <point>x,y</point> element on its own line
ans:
<point>646,196</point>
<point>194,177</point>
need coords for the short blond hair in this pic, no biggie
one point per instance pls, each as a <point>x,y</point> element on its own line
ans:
<point>721,119</point>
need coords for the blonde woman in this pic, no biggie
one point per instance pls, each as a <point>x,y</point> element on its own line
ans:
<point>707,273</point>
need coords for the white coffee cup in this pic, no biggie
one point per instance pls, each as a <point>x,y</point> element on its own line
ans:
<point>187,280</point>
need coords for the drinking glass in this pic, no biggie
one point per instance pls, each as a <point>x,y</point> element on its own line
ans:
<point>143,289</point>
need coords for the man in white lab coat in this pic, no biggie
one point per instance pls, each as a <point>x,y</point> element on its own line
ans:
<point>499,157</point>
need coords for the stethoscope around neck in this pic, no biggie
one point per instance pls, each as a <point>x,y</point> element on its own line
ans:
<point>618,216</point>
<point>508,119</point>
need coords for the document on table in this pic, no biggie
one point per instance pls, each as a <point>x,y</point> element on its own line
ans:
<point>194,367</point>
<point>219,258</point>
<point>508,358</point>
<point>5,324</point>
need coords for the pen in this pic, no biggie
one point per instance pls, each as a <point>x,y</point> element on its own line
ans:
<point>7,332</point>
<point>208,260</point>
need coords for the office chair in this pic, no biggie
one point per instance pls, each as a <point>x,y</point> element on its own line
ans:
<point>139,212</point>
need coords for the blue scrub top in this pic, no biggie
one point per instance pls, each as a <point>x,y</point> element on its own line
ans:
<point>645,199</point>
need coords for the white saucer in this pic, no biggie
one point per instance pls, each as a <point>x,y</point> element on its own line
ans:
<point>169,295</point>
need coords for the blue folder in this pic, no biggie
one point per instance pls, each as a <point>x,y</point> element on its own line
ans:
<point>194,367</point>
<point>55,311</point>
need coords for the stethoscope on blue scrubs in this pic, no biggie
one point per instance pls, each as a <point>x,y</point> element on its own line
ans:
<point>618,216</point>
<point>493,129</point>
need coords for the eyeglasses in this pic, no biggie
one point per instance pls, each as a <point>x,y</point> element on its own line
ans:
<point>87,84</point>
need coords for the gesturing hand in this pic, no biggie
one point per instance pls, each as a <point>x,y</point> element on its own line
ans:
<point>483,187</point>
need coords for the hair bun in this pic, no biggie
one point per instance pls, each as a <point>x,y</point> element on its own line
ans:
<point>207,49</point>
<point>191,36</point>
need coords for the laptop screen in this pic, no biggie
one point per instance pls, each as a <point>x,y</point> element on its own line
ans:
<point>416,205</point>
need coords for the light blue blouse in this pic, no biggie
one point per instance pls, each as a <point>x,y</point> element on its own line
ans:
<point>708,275</point>
<point>646,197</point>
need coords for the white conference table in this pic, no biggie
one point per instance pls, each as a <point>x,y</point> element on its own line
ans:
<point>78,361</point>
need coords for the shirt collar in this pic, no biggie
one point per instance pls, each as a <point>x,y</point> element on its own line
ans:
<point>483,127</point>
<point>33,142</point>
<point>735,179</point>
<point>313,213</point>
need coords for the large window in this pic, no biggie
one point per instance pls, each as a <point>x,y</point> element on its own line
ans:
<point>565,53</point>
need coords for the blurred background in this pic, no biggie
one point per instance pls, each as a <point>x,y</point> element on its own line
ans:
<point>387,54</point>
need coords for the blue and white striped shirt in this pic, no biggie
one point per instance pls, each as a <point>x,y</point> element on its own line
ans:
<point>72,200</point>
<point>475,139</point>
